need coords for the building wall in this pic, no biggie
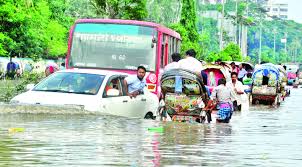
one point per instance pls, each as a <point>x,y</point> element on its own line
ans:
<point>277,10</point>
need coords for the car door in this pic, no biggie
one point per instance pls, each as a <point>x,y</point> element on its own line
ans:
<point>134,104</point>
<point>143,103</point>
<point>121,105</point>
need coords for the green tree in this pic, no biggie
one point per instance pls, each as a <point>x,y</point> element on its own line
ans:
<point>231,53</point>
<point>136,10</point>
<point>187,28</point>
<point>26,31</point>
<point>122,9</point>
<point>189,19</point>
<point>164,11</point>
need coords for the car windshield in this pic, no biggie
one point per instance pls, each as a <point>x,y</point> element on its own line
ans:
<point>69,82</point>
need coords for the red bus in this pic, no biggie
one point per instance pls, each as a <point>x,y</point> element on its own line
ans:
<point>122,45</point>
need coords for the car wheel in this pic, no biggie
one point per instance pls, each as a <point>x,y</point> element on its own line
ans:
<point>149,115</point>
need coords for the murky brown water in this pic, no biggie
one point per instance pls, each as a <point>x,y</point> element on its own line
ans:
<point>262,136</point>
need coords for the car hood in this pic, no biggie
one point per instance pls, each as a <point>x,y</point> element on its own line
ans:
<point>89,102</point>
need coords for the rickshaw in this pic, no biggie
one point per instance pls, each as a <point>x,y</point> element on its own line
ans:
<point>266,85</point>
<point>300,77</point>
<point>214,73</point>
<point>184,97</point>
<point>292,70</point>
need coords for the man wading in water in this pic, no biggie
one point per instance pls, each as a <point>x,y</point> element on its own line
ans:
<point>222,96</point>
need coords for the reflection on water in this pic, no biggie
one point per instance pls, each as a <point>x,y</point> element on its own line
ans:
<point>263,136</point>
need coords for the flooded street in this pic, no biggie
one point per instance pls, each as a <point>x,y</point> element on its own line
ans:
<point>263,136</point>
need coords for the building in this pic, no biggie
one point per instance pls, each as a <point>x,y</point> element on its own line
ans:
<point>274,8</point>
<point>279,10</point>
<point>212,1</point>
<point>260,1</point>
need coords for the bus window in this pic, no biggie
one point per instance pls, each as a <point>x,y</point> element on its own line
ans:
<point>170,49</point>
<point>178,45</point>
<point>122,46</point>
<point>173,45</point>
<point>166,50</point>
<point>163,51</point>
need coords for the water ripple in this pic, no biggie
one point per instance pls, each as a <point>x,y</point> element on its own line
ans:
<point>262,136</point>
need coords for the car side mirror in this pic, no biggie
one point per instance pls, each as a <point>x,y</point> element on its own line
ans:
<point>113,92</point>
<point>30,86</point>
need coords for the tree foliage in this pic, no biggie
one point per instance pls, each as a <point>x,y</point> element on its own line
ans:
<point>230,53</point>
<point>165,12</point>
<point>32,29</point>
<point>187,28</point>
<point>121,9</point>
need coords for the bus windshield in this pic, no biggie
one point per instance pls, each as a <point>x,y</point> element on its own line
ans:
<point>115,46</point>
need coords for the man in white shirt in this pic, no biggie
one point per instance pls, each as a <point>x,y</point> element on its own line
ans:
<point>238,91</point>
<point>134,85</point>
<point>242,72</point>
<point>191,63</point>
<point>173,65</point>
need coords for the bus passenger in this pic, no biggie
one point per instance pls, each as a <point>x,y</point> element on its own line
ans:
<point>134,85</point>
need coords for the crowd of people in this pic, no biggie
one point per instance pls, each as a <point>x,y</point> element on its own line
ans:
<point>227,95</point>
<point>14,69</point>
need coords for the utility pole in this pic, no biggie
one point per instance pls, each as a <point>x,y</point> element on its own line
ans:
<point>260,43</point>
<point>275,31</point>
<point>221,26</point>
<point>285,36</point>
<point>236,21</point>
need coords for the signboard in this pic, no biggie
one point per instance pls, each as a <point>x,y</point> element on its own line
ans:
<point>283,40</point>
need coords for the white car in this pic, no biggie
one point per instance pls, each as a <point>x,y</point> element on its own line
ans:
<point>94,90</point>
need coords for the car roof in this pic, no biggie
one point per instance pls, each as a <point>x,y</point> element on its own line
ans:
<point>93,71</point>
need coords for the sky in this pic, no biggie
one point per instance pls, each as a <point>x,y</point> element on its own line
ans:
<point>294,9</point>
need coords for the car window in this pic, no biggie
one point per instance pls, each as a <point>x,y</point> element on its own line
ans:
<point>70,82</point>
<point>122,78</point>
<point>114,83</point>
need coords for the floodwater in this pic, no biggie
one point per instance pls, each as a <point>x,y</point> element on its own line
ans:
<point>262,136</point>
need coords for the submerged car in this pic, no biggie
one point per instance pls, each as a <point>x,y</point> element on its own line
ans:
<point>94,90</point>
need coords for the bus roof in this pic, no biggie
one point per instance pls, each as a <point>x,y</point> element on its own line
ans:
<point>132,22</point>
